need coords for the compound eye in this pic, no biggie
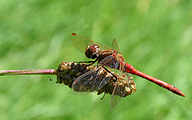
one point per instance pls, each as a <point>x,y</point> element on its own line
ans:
<point>94,56</point>
<point>92,51</point>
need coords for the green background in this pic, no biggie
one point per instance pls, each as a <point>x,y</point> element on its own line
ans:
<point>154,36</point>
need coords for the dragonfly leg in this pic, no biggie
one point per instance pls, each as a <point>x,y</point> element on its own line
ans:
<point>103,96</point>
<point>85,62</point>
<point>91,62</point>
<point>110,72</point>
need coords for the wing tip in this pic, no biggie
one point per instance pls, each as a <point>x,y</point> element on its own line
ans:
<point>74,34</point>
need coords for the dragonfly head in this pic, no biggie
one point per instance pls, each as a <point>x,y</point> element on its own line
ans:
<point>92,51</point>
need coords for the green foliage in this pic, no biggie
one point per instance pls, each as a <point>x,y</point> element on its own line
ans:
<point>154,36</point>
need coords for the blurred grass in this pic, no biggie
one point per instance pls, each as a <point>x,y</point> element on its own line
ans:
<point>154,36</point>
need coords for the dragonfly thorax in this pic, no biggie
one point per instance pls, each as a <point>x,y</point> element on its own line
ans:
<point>92,51</point>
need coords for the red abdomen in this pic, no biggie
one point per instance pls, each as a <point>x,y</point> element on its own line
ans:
<point>132,70</point>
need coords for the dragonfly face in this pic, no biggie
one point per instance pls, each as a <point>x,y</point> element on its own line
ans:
<point>92,51</point>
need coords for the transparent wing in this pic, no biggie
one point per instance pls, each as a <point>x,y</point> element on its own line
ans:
<point>81,42</point>
<point>91,81</point>
<point>123,87</point>
<point>116,98</point>
<point>115,46</point>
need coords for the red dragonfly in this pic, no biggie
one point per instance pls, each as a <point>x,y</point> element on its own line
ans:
<point>111,57</point>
